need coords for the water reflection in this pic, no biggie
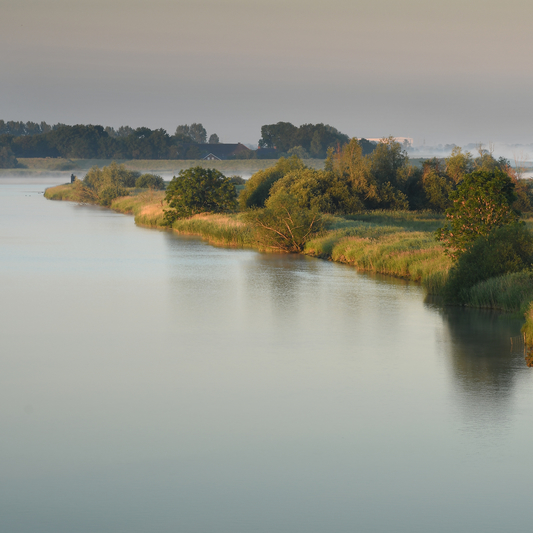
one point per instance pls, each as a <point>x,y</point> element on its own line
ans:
<point>149,378</point>
<point>483,363</point>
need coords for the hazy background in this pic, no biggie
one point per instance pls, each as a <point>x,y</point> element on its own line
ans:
<point>437,71</point>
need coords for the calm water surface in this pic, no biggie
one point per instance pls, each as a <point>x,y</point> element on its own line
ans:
<point>153,383</point>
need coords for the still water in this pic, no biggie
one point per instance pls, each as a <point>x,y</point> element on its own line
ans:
<point>153,383</point>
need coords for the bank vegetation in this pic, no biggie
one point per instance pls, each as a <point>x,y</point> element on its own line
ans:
<point>376,211</point>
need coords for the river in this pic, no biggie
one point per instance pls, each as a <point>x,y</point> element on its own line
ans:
<point>151,382</point>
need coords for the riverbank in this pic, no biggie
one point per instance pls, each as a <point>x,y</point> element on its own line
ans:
<point>399,244</point>
<point>43,165</point>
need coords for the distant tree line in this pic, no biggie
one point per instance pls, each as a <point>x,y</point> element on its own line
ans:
<point>308,140</point>
<point>18,139</point>
<point>31,139</point>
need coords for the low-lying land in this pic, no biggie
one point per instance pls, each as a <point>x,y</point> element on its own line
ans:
<point>400,244</point>
<point>482,257</point>
<point>28,166</point>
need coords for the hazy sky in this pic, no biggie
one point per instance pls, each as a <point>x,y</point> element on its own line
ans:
<point>444,71</point>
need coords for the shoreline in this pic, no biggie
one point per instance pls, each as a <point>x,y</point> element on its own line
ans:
<point>383,243</point>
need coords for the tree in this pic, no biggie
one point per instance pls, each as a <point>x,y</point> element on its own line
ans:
<point>258,187</point>
<point>199,190</point>
<point>481,202</point>
<point>370,176</point>
<point>313,138</point>
<point>7,159</point>
<point>150,181</point>
<point>283,224</point>
<point>213,139</point>
<point>103,185</point>
<point>195,132</point>
<point>504,250</point>
<point>459,164</point>
<point>198,133</point>
<point>322,190</point>
<point>437,185</point>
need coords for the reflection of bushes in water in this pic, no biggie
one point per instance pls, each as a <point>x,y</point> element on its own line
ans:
<point>480,348</point>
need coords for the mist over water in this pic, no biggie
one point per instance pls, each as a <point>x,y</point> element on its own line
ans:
<point>151,382</point>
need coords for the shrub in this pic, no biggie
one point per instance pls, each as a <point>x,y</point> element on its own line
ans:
<point>199,190</point>
<point>481,202</point>
<point>257,188</point>
<point>506,249</point>
<point>283,225</point>
<point>323,190</point>
<point>150,181</point>
<point>102,186</point>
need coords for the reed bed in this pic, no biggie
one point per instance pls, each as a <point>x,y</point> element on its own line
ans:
<point>527,328</point>
<point>387,250</point>
<point>220,229</point>
<point>409,220</point>
<point>60,192</point>
<point>510,292</point>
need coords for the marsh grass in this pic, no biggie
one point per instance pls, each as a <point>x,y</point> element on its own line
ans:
<point>408,220</point>
<point>61,192</point>
<point>527,328</point>
<point>146,206</point>
<point>510,292</point>
<point>413,255</point>
<point>220,229</point>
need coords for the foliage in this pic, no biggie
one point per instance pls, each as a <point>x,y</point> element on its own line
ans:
<point>213,139</point>
<point>195,132</point>
<point>102,186</point>
<point>510,292</point>
<point>318,189</point>
<point>527,328</point>
<point>7,158</point>
<point>387,160</point>
<point>150,181</point>
<point>299,151</point>
<point>459,164</point>
<point>220,229</point>
<point>386,249</point>
<point>19,129</point>
<point>374,178</point>
<point>258,187</point>
<point>283,225</point>
<point>313,139</point>
<point>504,250</point>
<point>481,202</point>
<point>437,186</point>
<point>199,190</point>
<point>237,180</point>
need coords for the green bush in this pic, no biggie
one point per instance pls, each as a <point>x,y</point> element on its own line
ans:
<point>284,225</point>
<point>150,181</point>
<point>102,186</point>
<point>199,190</point>
<point>481,202</point>
<point>504,250</point>
<point>510,292</point>
<point>257,188</point>
<point>323,190</point>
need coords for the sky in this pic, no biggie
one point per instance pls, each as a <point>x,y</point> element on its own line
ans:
<point>437,71</point>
